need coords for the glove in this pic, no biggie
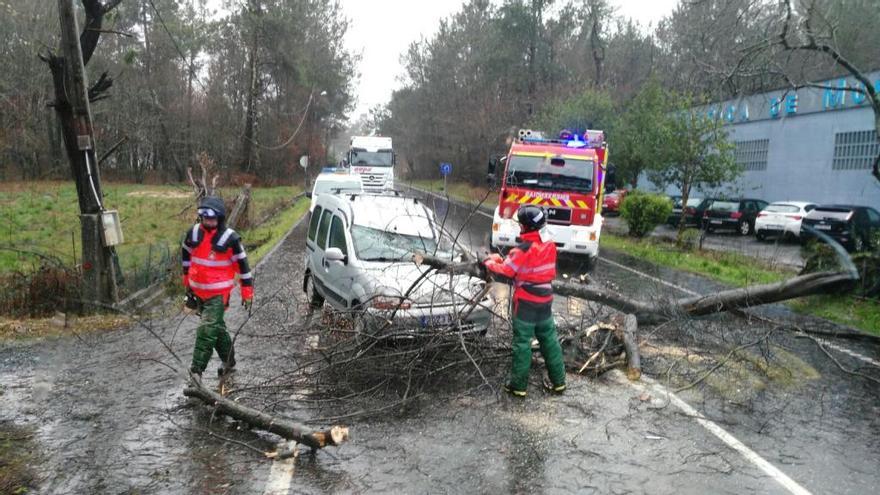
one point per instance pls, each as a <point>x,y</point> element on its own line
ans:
<point>495,257</point>
<point>247,296</point>
<point>185,279</point>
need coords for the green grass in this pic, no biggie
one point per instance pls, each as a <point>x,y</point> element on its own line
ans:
<point>261,239</point>
<point>730,268</point>
<point>461,191</point>
<point>43,217</point>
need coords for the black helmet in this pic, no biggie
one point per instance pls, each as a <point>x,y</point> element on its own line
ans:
<point>531,217</point>
<point>211,207</point>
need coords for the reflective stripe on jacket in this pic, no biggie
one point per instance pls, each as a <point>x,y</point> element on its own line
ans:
<point>212,258</point>
<point>532,267</point>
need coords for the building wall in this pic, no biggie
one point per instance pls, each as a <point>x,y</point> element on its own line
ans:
<point>799,159</point>
<point>801,127</point>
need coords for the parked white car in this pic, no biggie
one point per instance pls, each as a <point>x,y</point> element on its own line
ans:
<point>359,252</point>
<point>334,183</point>
<point>782,218</point>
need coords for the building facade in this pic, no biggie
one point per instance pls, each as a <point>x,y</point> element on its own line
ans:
<point>813,144</point>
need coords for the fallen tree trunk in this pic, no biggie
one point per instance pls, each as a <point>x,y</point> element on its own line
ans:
<point>279,426</point>
<point>647,313</point>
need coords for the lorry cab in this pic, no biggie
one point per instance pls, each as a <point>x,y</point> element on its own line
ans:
<point>373,159</point>
<point>565,177</point>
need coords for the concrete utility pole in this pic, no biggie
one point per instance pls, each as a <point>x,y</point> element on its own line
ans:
<point>99,274</point>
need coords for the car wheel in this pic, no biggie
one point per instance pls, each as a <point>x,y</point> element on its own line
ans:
<point>745,228</point>
<point>710,230</point>
<point>761,236</point>
<point>316,300</point>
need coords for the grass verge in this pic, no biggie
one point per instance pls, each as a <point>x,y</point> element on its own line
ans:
<point>262,238</point>
<point>16,457</point>
<point>461,191</point>
<point>739,271</point>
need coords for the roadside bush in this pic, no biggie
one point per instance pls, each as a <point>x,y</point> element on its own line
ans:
<point>643,212</point>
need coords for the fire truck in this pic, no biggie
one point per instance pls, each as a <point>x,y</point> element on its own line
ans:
<point>566,177</point>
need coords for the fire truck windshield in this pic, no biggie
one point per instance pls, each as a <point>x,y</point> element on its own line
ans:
<point>551,173</point>
<point>371,158</point>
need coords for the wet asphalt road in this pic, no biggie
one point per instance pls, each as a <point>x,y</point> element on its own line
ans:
<point>111,419</point>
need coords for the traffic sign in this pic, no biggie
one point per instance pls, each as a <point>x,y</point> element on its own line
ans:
<point>445,169</point>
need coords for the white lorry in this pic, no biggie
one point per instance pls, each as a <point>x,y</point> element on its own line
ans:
<point>372,157</point>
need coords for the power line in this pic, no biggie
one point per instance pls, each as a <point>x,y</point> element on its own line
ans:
<point>192,68</point>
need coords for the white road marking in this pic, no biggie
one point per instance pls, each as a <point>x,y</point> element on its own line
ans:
<point>750,455</point>
<point>280,477</point>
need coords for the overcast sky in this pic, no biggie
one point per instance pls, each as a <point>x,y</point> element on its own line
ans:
<point>382,30</point>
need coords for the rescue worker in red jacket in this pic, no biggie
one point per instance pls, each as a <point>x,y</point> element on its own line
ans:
<point>531,267</point>
<point>212,255</point>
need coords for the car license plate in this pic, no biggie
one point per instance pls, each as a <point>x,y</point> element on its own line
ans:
<point>774,227</point>
<point>436,321</point>
<point>823,227</point>
<point>715,222</point>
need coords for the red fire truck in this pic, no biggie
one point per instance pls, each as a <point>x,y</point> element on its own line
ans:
<point>566,177</point>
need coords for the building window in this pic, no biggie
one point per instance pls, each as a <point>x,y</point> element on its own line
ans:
<point>855,150</point>
<point>751,155</point>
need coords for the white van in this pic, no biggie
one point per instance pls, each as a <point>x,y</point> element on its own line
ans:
<point>334,183</point>
<point>359,259</point>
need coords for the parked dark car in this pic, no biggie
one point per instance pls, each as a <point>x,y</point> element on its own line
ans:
<point>677,209</point>
<point>693,215</point>
<point>733,214</point>
<point>855,227</point>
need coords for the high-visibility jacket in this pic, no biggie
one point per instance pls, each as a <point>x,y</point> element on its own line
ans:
<point>211,259</point>
<point>531,266</point>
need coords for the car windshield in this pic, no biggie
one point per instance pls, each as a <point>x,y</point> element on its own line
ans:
<point>372,244</point>
<point>551,173</point>
<point>327,186</point>
<point>724,206</point>
<point>371,158</point>
<point>782,209</point>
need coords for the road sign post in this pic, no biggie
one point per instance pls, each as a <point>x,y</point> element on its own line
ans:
<point>445,170</point>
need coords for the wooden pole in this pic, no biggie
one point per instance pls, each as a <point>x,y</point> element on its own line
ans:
<point>99,277</point>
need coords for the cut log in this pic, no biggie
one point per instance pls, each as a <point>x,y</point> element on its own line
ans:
<point>273,424</point>
<point>631,344</point>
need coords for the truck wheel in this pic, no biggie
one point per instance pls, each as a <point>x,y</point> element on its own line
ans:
<point>315,299</point>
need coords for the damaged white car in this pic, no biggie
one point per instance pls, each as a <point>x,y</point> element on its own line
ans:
<point>359,259</point>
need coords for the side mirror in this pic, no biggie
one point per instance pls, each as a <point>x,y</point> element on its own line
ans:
<point>394,158</point>
<point>309,194</point>
<point>335,254</point>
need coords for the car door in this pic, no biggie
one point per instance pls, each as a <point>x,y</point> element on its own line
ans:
<point>338,273</point>
<point>316,254</point>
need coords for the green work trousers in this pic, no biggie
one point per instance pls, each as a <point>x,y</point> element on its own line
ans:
<point>212,335</point>
<point>545,332</point>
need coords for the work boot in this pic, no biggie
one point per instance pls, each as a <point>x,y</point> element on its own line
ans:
<point>554,389</point>
<point>225,370</point>
<point>516,393</point>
